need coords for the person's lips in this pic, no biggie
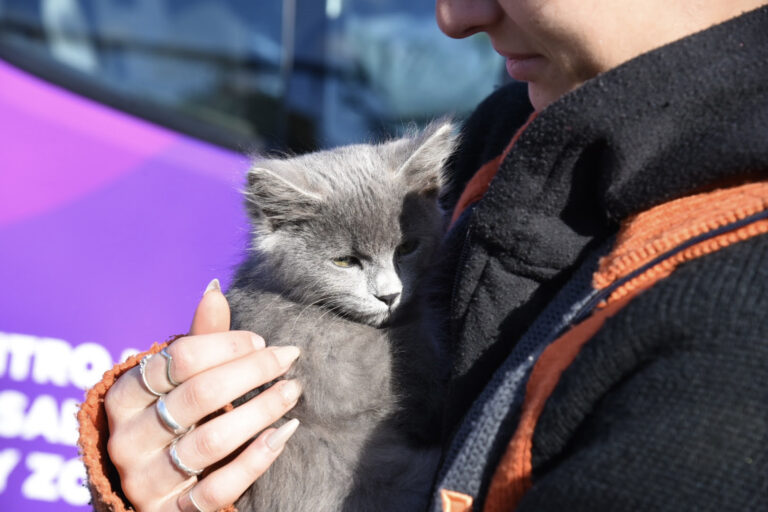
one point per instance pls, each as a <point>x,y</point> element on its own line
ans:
<point>523,66</point>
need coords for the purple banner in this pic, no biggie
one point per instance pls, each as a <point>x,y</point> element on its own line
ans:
<point>110,229</point>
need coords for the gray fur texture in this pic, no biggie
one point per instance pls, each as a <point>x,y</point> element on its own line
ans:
<point>342,239</point>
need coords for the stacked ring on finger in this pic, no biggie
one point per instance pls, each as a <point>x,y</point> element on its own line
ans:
<point>168,360</point>
<point>187,502</point>
<point>168,420</point>
<point>142,370</point>
<point>177,461</point>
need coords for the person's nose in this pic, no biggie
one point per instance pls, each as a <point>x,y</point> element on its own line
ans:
<point>462,18</point>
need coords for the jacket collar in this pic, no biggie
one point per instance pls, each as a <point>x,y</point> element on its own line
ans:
<point>687,117</point>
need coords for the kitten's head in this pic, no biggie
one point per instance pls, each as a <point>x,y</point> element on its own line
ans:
<point>351,228</point>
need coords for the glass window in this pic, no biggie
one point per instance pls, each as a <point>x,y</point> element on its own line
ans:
<point>254,75</point>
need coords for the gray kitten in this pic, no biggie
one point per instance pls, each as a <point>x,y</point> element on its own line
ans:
<point>342,239</point>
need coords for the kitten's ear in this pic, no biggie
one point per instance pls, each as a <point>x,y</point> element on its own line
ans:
<point>277,195</point>
<point>423,170</point>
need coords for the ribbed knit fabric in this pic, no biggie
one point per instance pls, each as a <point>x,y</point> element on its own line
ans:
<point>692,229</point>
<point>646,251</point>
<point>669,414</point>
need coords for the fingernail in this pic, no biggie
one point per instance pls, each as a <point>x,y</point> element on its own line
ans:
<point>213,285</point>
<point>257,341</point>
<point>277,439</point>
<point>290,389</point>
<point>286,355</point>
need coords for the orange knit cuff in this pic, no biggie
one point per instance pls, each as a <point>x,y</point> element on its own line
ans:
<point>103,479</point>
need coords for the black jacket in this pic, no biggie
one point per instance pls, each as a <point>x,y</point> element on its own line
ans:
<point>666,407</point>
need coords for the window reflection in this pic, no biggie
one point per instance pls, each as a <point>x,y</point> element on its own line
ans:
<point>290,74</point>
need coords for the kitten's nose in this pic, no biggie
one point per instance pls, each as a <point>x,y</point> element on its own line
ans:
<point>388,299</point>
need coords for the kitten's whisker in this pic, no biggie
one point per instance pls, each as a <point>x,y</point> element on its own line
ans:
<point>328,311</point>
<point>304,309</point>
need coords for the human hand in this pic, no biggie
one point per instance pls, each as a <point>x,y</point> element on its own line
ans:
<point>212,367</point>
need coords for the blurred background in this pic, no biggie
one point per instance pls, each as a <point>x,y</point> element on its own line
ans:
<point>125,131</point>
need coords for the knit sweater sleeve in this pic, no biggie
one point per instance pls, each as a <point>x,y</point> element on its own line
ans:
<point>665,408</point>
<point>103,478</point>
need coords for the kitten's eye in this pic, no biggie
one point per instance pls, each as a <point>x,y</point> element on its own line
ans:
<point>407,247</point>
<point>346,262</point>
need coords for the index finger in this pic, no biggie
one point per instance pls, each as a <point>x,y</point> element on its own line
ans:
<point>190,355</point>
<point>211,316</point>
<point>212,313</point>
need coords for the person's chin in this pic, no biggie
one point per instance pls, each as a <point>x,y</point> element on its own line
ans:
<point>539,96</point>
<point>543,93</point>
<point>533,70</point>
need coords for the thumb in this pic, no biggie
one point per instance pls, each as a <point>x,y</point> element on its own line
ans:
<point>212,313</point>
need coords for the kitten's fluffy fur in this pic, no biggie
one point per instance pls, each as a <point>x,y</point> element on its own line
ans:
<point>341,240</point>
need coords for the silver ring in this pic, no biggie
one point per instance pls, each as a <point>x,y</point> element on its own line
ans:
<point>142,367</point>
<point>187,502</point>
<point>177,462</point>
<point>168,360</point>
<point>193,502</point>
<point>165,416</point>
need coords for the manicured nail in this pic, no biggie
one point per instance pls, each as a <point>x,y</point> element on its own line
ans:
<point>213,285</point>
<point>257,341</point>
<point>286,355</point>
<point>290,389</point>
<point>277,439</point>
